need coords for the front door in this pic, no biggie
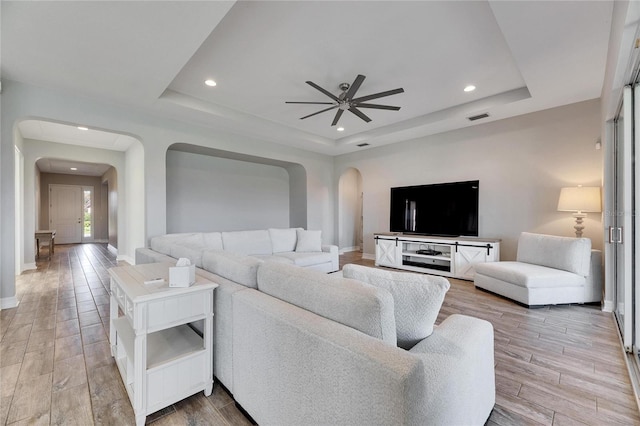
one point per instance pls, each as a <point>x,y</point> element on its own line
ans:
<point>65,213</point>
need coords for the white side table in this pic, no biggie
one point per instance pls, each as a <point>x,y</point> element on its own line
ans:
<point>160,358</point>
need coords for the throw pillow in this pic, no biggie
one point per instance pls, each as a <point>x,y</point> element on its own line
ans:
<point>283,240</point>
<point>308,241</point>
<point>417,299</point>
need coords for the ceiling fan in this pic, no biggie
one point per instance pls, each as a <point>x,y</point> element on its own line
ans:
<point>346,101</point>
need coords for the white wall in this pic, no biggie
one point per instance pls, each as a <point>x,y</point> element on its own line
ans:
<point>132,191</point>
<point>521,163</point>
<point>206,193</point>
<point>349,207</point>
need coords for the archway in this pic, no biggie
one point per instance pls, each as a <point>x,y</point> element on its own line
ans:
<point>71,146</point>
<point>350,223</point>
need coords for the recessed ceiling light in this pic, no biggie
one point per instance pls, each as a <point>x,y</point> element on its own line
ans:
<point>82,128</point>
<point>74,168</point>
<point>210,83</point>
<point>340,129</point>
<point>470,88</point>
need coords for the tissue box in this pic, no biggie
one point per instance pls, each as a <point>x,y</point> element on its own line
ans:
<point>182,276</point>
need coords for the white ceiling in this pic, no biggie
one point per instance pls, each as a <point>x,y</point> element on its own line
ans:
<point>522,56</point>
<point>54,165</point>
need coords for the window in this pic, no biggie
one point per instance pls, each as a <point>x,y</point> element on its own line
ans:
<point>87,223</point>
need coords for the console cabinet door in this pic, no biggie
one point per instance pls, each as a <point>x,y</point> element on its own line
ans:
<point>465,260</point>
<point>388,252</point>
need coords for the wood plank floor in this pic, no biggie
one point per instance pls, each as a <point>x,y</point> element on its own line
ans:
<point>559,365</point>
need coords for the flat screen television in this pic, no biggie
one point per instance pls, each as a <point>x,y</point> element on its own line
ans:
<point>444,209</point>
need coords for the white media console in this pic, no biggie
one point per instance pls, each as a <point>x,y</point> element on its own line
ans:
<point>447,256</point>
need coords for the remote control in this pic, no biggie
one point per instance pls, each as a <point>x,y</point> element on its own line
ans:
<point>154,281</point>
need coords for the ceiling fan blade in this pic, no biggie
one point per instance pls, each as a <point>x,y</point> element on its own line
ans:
<point>315,113</point>
<point>378,95</point>
<point>326,92</point>
<point>337,117</point>
<point>376,106</point>
<point>310,103</point>
<point>360,114</point>
<point>355,86</point>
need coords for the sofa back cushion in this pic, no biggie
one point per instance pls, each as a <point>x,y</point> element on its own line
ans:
<point>162,243</point>
<point>565,253</point>
<point>417,299</point>
<point>212,240</point>
<point>247,242</point>
<point>354,304</point>
<point>235,267</point>
<point>308,241</point>
<point>283,240</point>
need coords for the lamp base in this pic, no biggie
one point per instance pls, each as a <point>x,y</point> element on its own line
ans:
<point>579,226</point>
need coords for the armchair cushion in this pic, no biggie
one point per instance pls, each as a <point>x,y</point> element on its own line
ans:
<point>566,253</point>
<point>529,275</point>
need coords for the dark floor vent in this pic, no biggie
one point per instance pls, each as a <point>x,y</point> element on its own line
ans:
<point>478,117</point>
<point>363,144</point>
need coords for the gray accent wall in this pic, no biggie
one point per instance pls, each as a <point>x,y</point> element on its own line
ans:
<point>208,193</point>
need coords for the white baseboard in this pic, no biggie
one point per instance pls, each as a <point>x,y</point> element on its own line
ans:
<point>608,306</point>
<point>127,259</point>
<point>112,249</point>
<point>8,302</point>
<point>349,249</point>
<point>368,256</point>
<point>28,267</point>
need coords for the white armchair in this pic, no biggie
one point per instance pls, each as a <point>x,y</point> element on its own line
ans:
<point>549,270</point>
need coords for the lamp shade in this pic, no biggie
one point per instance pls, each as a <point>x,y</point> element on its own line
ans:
<point>580,199</point>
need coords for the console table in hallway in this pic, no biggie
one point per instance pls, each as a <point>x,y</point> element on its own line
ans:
<point>45,235</point>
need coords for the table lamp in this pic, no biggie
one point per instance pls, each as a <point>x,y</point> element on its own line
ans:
<point>580,200</point>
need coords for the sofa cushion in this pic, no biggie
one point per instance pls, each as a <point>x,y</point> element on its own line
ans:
<point>162,243</point>
<point>273,258</point>
<point>235,267</point>
<point>193,252</point>
<point>349,302</point>
<point>308,241</point>
<point>417,299</point>
<point>212,240</point>
<point>306,259</point>
<point>530,276</point>
<point>566,253</point>
<point>247,242</point>
<point>283,240</point>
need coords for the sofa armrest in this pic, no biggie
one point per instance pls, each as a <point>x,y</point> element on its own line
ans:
<point>335,255</point>
<point>458,360</point>
<point>327,248</point>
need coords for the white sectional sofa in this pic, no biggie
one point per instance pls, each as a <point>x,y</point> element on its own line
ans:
<point>548,270</point>
<point>295,246</point>
<point>296,346</point>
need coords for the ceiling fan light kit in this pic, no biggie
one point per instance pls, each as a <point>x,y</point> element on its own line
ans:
<point>345,101</point>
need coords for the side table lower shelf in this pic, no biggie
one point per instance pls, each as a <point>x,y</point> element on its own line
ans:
<point>175,361</point>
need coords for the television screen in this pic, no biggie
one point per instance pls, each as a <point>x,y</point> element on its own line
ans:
<point>445,209</point>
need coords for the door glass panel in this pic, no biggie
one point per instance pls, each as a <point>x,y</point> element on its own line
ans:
<point>619,142</point>
<point>87,214</point>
